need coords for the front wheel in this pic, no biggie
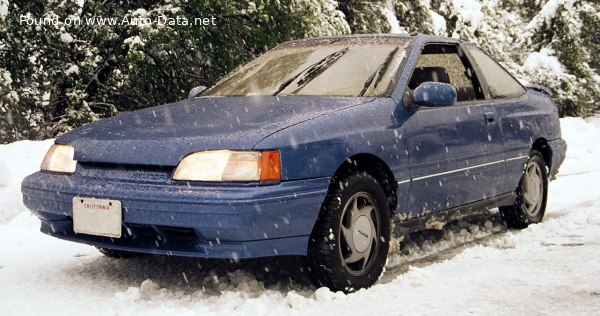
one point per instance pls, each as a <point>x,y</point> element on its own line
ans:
<point>530,203</point>
<point>349,244</point>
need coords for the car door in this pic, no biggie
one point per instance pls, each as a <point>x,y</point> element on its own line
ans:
<point>513,114</point>
<point>452,150</point>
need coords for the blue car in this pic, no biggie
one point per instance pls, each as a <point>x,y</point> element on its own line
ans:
<point>329,148</point>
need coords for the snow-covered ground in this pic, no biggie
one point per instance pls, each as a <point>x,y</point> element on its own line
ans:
<point>471,267</point>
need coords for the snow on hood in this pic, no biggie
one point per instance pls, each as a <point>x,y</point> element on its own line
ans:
<point>163,135</point>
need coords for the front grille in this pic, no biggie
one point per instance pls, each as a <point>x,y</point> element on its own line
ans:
<point>130,173</point>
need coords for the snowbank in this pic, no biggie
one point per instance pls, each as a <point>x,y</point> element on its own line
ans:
<point>17,160</point>
<point>583,137</point>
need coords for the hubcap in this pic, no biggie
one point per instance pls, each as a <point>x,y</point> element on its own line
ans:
<point>359,233</point>
<point>533,189</point>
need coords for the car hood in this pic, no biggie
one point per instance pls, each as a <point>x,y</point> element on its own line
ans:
<point>164,134</point>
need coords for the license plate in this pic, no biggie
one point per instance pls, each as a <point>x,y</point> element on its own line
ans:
<point>98,217</point>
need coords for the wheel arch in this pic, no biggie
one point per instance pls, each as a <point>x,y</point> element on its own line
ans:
<point>541,145</point>
<point>376,167</point>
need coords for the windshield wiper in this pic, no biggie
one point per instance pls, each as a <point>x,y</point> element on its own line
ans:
<point>312,71</point>
<point>378,73</point>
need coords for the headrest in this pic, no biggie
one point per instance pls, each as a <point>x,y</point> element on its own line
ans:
<point>424,74</point>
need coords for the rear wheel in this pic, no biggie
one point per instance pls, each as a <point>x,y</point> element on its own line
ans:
<point>349,244</point>
<point>532,193</point>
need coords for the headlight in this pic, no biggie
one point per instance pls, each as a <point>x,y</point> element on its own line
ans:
<point>230,166</point>
<point>60,159</point>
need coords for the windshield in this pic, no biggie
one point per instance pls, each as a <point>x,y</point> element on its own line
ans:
<point>340,69</point>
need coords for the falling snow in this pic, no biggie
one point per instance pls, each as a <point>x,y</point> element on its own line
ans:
<point>477,266</point>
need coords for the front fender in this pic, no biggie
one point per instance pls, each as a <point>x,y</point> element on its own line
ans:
<point>316,148</point>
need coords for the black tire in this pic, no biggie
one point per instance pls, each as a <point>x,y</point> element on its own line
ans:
<point>113,253</point>
<point>531,195</point>
<point>340,235</point>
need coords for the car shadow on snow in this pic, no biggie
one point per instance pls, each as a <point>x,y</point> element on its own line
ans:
<point>212,276</point>
<point>282,274</point>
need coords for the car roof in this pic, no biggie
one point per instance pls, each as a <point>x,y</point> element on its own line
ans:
<point>369,38</point>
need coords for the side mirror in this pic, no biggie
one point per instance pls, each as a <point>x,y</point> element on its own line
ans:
<point>196,92</point>
<point>434,94</point>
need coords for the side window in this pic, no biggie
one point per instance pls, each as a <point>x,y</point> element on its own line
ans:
<point>443,63</point>
<point>500,82</point>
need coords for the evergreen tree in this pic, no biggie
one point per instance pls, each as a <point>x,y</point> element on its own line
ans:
<point>61,75</point>
<point>569,30</point>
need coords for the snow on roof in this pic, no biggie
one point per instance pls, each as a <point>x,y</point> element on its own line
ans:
<point>382,38</point>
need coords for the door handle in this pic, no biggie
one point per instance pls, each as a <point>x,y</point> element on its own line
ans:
<point>490,117</point>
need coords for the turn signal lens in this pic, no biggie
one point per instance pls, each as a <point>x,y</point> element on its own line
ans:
<point>270,166</point>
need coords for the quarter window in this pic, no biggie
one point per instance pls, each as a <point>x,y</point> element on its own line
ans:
<point>501,84</point>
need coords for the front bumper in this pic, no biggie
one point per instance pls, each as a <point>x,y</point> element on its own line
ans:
<point>212,221</point>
